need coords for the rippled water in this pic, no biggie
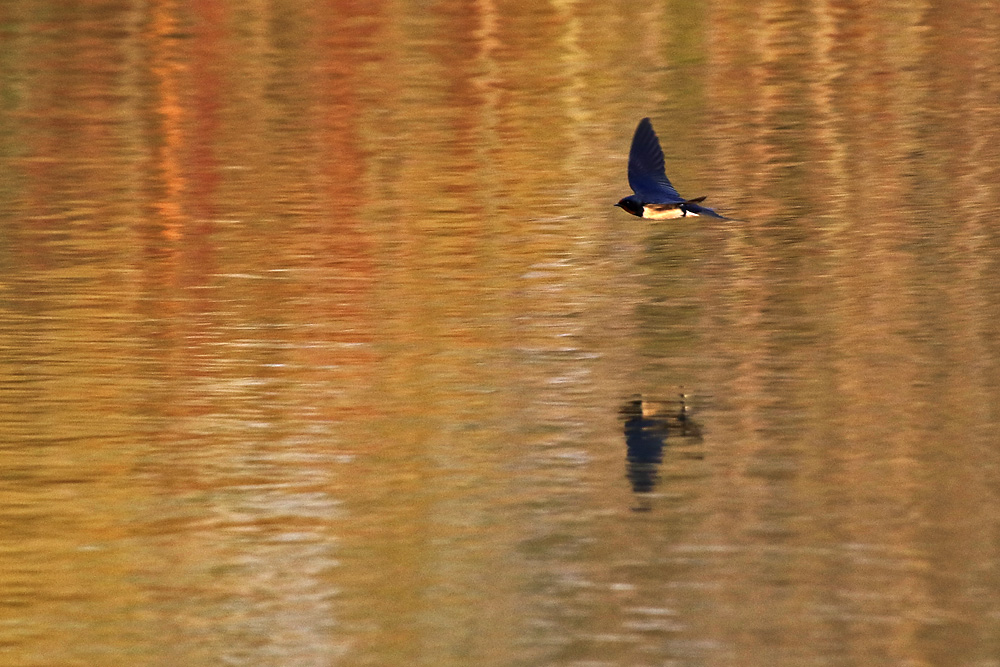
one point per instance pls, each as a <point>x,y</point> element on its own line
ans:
<point>322,344</point>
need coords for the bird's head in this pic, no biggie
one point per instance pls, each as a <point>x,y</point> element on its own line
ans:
<point>630,204</point>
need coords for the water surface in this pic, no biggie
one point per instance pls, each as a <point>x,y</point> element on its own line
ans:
<point>322,344</point>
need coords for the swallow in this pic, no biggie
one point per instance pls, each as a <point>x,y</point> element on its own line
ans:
<point>655,198</point>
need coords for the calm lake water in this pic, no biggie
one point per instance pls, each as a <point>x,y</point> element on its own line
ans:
<point>321,342</point>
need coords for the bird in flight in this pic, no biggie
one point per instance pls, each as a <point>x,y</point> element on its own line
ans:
<point>655,198</point>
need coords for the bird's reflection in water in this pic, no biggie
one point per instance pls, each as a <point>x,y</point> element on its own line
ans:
<point>648,423</point>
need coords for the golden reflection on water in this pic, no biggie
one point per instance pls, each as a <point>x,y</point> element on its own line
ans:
<point>317,326</point>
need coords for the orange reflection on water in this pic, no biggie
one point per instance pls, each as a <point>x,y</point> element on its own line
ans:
<point>318,322</point>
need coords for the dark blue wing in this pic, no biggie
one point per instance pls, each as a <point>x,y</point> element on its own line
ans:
<point>646,173</point>
<point>704,210</point>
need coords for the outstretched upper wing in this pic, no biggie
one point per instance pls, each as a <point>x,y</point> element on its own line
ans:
<point>646,173</point>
